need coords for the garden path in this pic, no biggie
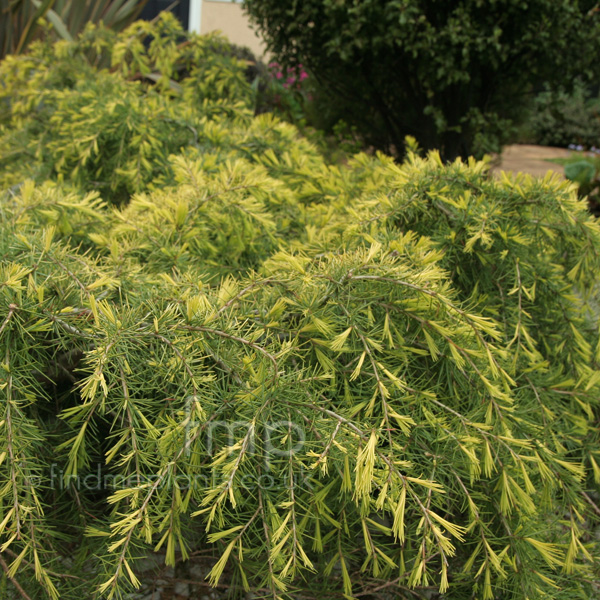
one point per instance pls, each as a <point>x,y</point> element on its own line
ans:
<point>529,159</point>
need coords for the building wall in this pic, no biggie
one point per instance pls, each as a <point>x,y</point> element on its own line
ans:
<point>154,7</point>
<point>229,18</point>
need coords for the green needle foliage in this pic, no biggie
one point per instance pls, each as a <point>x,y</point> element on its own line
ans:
<point>364,375</point>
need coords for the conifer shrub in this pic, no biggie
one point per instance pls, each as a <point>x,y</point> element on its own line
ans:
<point>112,130</point>
<point>344,380</point>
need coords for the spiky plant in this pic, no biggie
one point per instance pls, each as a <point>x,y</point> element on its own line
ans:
<point>342,379</point>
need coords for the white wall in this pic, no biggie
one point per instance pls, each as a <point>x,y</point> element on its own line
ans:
<point>228,17</point>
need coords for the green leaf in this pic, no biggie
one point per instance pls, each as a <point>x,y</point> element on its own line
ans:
<point>582,171</point>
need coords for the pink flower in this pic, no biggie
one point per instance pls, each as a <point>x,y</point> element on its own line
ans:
<point>279,75</point>
<point>303,76</point>
<point>291,80</point>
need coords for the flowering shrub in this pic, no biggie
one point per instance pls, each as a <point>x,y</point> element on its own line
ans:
<point>286,92</point>
<point>293,77</point>
<point>579,148</point>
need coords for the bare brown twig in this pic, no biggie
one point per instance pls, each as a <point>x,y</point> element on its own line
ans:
<point>17,585</point>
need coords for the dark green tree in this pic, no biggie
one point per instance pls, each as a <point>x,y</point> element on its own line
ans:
<point>454,74</point>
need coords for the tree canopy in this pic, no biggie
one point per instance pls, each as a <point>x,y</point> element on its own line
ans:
<point>455,75</point>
